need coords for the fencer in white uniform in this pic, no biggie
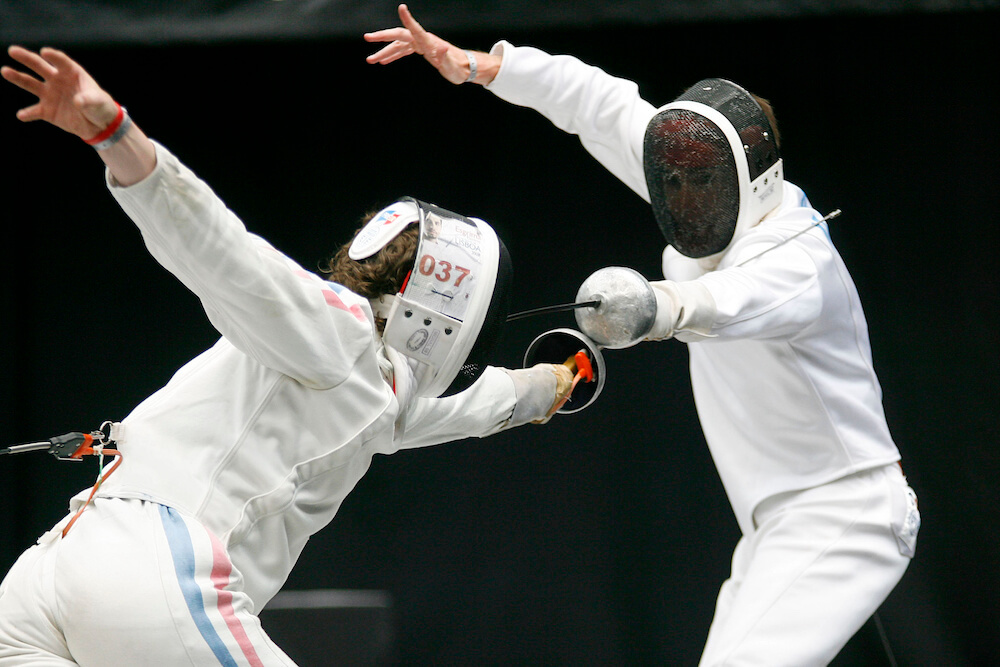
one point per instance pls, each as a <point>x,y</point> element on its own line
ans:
<point>780,360</point>
<point>251,447</point>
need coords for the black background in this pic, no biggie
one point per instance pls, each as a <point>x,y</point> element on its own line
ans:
<point>600,538</point>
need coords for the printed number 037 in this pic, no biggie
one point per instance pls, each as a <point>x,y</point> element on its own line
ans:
<point>428,265</point>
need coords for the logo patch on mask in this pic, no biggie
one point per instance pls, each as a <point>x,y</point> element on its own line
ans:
<point>384,227</point>
<point>417,340</point>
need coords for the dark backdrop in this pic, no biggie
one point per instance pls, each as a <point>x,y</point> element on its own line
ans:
<point>600,538</point>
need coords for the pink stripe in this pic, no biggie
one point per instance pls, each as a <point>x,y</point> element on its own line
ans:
<point>221,569</point>
<point>334,300</point>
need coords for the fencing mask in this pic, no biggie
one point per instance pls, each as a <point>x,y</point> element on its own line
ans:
<point>712,166</point>
<point>449,312</point>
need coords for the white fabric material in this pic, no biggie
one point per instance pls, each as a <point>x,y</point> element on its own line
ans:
<point>784,384</point>
<point>785,389</point>
<point>536,393</point>
<point>260,438</point>
<point>683,309</point>
<point>139,574</point>
<point>778,607</point>
<point>267,465</point>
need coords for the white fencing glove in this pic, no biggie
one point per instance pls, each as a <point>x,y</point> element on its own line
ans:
<point>540,391</point>
<point>685,310</point>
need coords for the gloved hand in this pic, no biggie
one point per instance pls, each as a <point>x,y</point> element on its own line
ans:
<point>567,375</point>
<point>564,384</point>
<point>682,308</point>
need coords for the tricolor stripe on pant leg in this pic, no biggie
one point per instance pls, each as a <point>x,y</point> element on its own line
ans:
<point>221,569</point>
<point>182,551</point>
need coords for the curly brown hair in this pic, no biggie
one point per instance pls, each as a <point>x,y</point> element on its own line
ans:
<point>382,273</point>
<point>768,110</point>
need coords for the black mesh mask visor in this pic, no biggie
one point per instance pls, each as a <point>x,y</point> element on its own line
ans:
<point>705,157</point>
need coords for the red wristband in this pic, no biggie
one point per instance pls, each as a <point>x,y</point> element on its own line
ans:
<point>110,129</point>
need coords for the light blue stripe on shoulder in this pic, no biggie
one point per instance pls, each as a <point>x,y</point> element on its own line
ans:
<point>336,287</point>
<point>826,230</point>
<point>182,551</point>
<point>804,203</point>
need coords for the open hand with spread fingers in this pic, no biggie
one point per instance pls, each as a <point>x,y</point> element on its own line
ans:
<point>455,64</point>
<point>68,97</point>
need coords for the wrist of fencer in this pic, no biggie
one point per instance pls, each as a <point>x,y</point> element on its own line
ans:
<point>534,389</point>
<point>113,133</point>
<point>473,67</point>
<point>685,310</point>
<point>564,380</point>
<point>667,309</point>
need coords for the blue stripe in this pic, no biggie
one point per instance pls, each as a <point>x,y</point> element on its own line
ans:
<point>804,203</point>
<point>336,287</point>
<point>826,230</point>
<point>182,551</point>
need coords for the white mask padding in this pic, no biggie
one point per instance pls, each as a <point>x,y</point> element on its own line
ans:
<point>437,317</point>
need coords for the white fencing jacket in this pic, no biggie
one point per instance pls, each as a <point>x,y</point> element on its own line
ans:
<point>781,366</point>
<point>262,436</point>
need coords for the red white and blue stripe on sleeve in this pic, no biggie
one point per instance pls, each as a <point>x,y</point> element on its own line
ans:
<point>332,292</point>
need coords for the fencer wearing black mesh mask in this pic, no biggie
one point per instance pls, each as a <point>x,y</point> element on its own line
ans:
<point>712,166</point>
<point>780,360</point>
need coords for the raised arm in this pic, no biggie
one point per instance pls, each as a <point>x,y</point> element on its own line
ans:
<point>288,319</point>
<point>454,64</point>
<point>70,98</point>
<point>606,112</point>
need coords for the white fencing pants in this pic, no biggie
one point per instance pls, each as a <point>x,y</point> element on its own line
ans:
<point>818,565</point>
<point>132,583</point>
